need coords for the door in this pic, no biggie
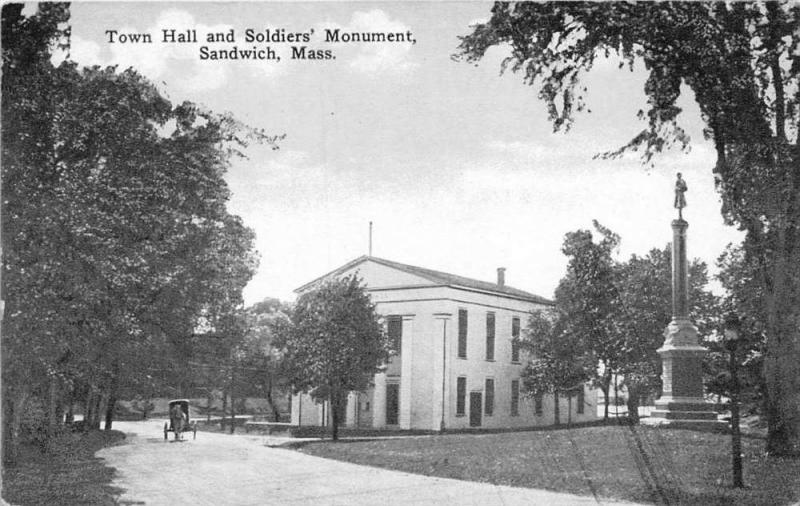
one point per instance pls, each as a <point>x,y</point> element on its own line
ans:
<point>475,408</point>
<point>392,403</point>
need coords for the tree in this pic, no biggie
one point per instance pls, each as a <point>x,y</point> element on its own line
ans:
<point>741,62</point>
<point>263,368</point>
<point>334,344</point>
<point>588,300</point>
<point>645,288</point>
<point>743,299</point>
<point>560,362</point>
<point>116,236</point>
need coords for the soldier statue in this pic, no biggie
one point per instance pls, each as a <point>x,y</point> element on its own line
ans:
<point>680,198</point>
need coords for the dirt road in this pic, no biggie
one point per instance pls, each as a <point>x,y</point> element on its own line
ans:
<point>219,469</point>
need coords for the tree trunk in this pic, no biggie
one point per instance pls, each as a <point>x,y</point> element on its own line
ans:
<point>88,409</point>
<point>9,445</point>
<point>616,397</point>
<point>334,416</point>
<point>782,376</point>
<point>224,408</point>
<point>556,409</point>
<point>605,386</point>
<point>276,414</point>
<point>233,414</point>
<point>13,410</point>
<point>52,411</point>
<point>99,403</point>
<point>605,389</point>
<point>569,409</point>
<point>112,396</point>
<point>233,404</point>
<point>112,402</point>
<point>782,359</point>
<point>633,404</point>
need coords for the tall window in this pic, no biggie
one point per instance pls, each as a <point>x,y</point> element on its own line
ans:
<point>489,402</point>
<point>462,333</point>
<point>580,400</point>
<point>515,398</point>
<point>537,405</point>
<point>515,339</point>
<point>461,396</point>
<point>395,332</point>
<point>489,336</point>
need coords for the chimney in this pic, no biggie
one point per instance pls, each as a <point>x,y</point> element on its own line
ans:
<point>501,276</point>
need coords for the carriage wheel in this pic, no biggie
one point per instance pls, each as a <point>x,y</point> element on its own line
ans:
<point>166,429</point>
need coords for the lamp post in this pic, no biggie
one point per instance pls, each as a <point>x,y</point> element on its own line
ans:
<point>732,328</point>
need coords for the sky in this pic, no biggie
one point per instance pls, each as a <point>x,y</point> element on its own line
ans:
<point>456,165</point>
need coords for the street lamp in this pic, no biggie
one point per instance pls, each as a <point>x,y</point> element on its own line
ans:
<point>732,329</point>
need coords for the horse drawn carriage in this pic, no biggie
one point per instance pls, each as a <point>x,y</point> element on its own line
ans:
<point>179,420</point>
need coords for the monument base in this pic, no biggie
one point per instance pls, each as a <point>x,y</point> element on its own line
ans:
<point>702,425</point>
<point>685,413</point>
<point>682,404</point>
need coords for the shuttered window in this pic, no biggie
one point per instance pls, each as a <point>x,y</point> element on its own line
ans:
<point>515,339</point>
<point>515,398</point>
<point>488,408</point>
<point>489,336</point>
<point>461,396</point>
<point>462,333</point>
<point>395,331</point>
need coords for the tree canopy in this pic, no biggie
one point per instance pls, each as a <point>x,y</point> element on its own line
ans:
<point>645,288</point>
<point>587,298</point>
<point>334,343</point>
<point>116,235</point>
<point>559,360</point>
<point>612,313</point>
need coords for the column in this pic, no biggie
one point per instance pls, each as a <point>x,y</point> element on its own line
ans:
<point>406,376</point>
<point>440,382</point>
<point>379,401</point>
<point>680,271</point>
<point>681,402</point>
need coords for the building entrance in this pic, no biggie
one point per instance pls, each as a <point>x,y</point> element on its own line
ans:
<point>392,403</point>
<point>475,408</point>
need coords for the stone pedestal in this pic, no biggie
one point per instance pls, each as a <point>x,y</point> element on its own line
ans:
<point>682,403</point>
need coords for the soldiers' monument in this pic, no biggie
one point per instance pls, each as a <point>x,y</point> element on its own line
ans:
<point>682,401</point>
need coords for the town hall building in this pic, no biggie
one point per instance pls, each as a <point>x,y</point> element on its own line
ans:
<point>459,365</point>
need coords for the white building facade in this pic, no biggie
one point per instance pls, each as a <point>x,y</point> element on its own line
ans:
<point>458,367</point>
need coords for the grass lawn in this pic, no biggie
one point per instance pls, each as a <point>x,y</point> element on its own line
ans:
<point>641,464</point>
<point>66,473</point>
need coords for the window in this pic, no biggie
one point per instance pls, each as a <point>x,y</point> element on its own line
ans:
<point>395,332</point>
<point>489,336</point>
<point>580,400</point>
<point>462,333</point>
<point>537,404</point>
<point>515,398</point>
<point>461,396</point>
<point>515,339</point>
<point>488,408</point>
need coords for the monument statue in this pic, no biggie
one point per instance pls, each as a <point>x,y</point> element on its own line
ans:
<point>682,402</point>
<point>680,197</point>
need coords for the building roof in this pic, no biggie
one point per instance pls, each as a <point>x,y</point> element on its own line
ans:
<point>438,278</point>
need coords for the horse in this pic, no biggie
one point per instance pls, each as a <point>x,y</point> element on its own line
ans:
<point>178,420</point>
